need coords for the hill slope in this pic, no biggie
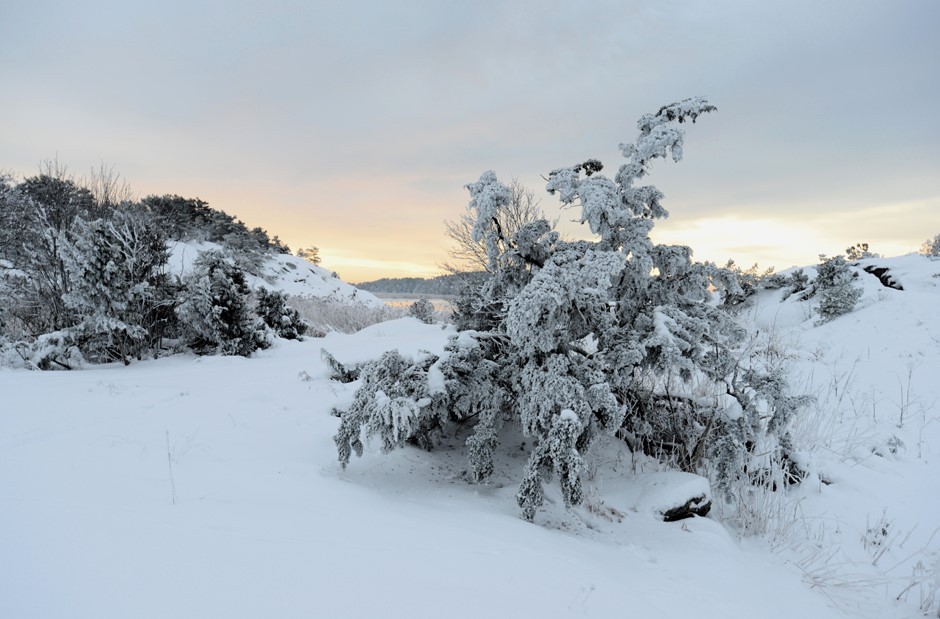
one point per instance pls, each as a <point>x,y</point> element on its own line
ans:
<point>864,528</point>
<point>278,271</point>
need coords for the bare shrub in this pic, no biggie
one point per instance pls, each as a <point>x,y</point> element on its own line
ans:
<point>325,314</point>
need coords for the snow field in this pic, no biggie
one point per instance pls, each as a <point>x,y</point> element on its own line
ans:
<point>197,487</point>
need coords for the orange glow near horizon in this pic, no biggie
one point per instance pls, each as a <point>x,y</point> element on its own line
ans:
<point>391,242</point>
<point>406,238</point>
<point>363,235</point>
<point>402,240</point>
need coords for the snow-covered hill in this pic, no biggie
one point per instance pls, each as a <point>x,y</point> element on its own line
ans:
<point>284,272</point>
<point>866,531</point>
<point>208,487</point>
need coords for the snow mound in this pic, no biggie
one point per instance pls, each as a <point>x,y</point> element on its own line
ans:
<point>409,336</point>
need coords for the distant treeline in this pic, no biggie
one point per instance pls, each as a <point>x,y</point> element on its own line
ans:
<point>442,285</point>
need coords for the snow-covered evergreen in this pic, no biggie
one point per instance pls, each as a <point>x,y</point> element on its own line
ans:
<point>37,217</point>
<point>217,309</point>
<point>423,310</point>
<point>585,339</point>
<point>120,292</point>
<point>87,277</point>
<point>835,288</point>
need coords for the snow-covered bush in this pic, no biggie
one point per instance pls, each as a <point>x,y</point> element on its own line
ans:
<point>394,402</point>
<point>931,247</point>
<point>837,294</point>
<point>795,282</point>
<point>570,341</point>
<point>50,351</point>
<point>282,319</point>
<point>216,314</point>
<point>186,219</point>
<point>749,281</point>
<point>87,260</point>
<point>423,310</point>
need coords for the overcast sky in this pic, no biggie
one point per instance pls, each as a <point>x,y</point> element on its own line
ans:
<point>354,125</point>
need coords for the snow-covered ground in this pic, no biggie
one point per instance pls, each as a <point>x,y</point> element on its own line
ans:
<point>208,487</point>
<point>869,531</point>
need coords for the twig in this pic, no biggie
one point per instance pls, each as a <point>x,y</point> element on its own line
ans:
<point>169,462</point>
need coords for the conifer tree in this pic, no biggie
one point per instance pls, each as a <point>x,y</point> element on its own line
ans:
<point>423,310</point>
<point>834,285</point>
<point>120,293</point>
<point>216,313</point>
<point>572,340</point>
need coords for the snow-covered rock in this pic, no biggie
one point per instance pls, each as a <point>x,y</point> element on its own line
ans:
<point>666,495</point>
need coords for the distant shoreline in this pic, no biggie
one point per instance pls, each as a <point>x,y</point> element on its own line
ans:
<point>441,303</point>
<point>392,296</point>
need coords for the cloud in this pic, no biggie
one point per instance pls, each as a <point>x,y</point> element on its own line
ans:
<point>379,112</point>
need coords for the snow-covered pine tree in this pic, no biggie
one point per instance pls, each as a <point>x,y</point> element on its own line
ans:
<point>395,402</point>
<point>795,282</point>
<point>574,340</point>
<point>119,292</point>
<point>834,285</point>
<point>747,282</point>
<point>216,313</point>
<point>181,218</point>
<point>37,216</point>
<point>14,280</point>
